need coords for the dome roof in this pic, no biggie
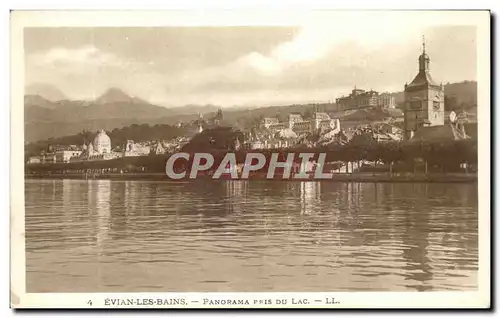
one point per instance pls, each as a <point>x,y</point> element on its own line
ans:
<point>102,138</point>
<point>424,56</point>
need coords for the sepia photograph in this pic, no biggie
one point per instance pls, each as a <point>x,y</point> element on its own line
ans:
<point>324,159</point>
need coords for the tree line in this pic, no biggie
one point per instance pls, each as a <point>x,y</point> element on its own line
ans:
<point>442,156</point>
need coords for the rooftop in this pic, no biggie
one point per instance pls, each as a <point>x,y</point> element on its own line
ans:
<point>422,79</point>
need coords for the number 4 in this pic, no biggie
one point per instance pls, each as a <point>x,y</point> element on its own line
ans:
<point>89,302</point>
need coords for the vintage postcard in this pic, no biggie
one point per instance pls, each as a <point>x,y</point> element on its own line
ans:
<point>250,159</point>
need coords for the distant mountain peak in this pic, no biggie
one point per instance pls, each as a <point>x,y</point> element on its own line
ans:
<point>37,100</point>
<point>47,91</point>
<point>116,95</point>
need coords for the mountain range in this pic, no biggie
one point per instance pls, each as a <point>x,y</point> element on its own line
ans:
<point>48,113</point>
<point>47,91</point>
<point>47,116</point>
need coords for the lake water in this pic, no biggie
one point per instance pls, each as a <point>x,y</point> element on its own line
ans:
<point>236,236</point>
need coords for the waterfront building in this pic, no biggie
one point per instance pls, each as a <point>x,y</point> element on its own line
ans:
<point>424,100</point>
<point>34,159</point>
<point>98,149</point>
<point>65,156</point>
<point>102,143</point>
<point>49,158</point>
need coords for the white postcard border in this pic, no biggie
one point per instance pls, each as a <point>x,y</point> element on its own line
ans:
<point>21,299</point>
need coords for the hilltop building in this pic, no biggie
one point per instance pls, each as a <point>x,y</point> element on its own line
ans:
<point>424,100</point>
<point>359,98</point>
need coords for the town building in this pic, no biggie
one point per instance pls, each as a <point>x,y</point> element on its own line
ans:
<point>424,100</point>
<point>457,128</point>
<point>324,123</point>
<point>159,149</point>
<point>132,149</point>
<point>278,126</point>
<point>269,121</point>
<point>295,127</point>
<point>293,119</point>
<point>303,127</point>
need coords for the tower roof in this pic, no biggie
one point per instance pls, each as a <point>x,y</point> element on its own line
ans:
<point>423,78</point>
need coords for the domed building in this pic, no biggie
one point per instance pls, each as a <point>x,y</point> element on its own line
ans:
<point>102,143</point>
<point>98,149</point>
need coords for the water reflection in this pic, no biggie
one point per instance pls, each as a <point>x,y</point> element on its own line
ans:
<point>250,236</point>
<point>309,196</point>
<point>102,207</point>
<point>236,195</point>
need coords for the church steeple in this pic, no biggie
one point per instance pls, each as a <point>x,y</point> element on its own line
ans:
<point>423,60</point>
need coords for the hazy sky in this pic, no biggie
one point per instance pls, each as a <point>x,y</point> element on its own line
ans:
<point>246,65</point>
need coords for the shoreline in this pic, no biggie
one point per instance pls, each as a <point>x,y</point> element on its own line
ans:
<point>340,177</point>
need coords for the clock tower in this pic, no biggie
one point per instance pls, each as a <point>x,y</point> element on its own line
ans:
<point>424,99</point>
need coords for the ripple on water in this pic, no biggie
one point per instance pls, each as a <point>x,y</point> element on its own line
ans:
<point>102,235</point>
